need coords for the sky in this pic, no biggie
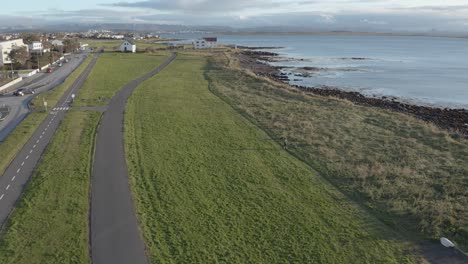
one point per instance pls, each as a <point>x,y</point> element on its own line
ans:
<point>374,15</point>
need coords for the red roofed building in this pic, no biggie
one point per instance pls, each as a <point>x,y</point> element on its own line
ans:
<point>205,43</point>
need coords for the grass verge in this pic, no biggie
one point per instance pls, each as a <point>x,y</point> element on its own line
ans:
<point>16,140</point>
<point>54,95</point>
<point>211,187</point>
<point>50,225</point>
<point>412,175</point>
<point>112,71</point>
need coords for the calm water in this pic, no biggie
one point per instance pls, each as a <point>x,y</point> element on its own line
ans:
<point>423,70</point>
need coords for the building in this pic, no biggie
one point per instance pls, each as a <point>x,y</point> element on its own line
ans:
<point>57,43</point>
<point>35,47</point>
<point>128,46</point>
<point>205,43</point>
<point>6,47</point>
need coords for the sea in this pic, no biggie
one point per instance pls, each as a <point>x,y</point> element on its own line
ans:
<point>420,70</point>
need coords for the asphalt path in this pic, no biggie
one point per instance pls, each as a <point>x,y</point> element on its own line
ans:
<point>41,82</point>
<point>115,236</point>
<point>17,175</point>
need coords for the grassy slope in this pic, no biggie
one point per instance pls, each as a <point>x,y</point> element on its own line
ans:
<point>209,186</point>
<point>16,140</point>
<point>411,174</point>
<point>112,71</point>
<point>50,225</point>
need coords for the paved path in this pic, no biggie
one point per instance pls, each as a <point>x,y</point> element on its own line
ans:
<point>17,175</point>
<point>115,236</point>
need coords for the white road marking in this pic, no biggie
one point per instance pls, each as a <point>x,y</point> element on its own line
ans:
<point>18,170</point>
<point>14,177</point>
<point>37,141</point>
<point>34,146</point>
<point>40,137</point>
<point>30,151</point>
<point>8,187</point>
<point>27,157</point>
<point>22,164</point>
<point>1,197</point>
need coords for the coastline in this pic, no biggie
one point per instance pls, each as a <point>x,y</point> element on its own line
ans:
<point>452,120</point>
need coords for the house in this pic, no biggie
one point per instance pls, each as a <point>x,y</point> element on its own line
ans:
<point>205,43</point>
<point>57,43</point>
<point>36,47</point>
<point>128,46</point>
<point>6,47</point>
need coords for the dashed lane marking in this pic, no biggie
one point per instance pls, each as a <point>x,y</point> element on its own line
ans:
<point>30,151</point>
<point>22,164</point>
<point>1,197</point>
<point>14,177</point>
<point>18,170</point>
<point>27,157</point>
<point>34,146</point>
<point>8,187</point>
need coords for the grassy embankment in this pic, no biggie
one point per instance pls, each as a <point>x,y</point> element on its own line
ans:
<point>112,72</point>
<point>211,187</point>
<point>16,140</point>
<point>50,224</point>
<point>412,175</point>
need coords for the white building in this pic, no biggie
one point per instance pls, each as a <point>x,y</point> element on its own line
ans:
<point>118,37</point>
<point>35,47</point>
<point>6,47</point>
<point>205,43</point>
<point>57,43</point>
<point>128,46</point>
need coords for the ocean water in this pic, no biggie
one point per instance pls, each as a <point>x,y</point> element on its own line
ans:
<point>421,70</point>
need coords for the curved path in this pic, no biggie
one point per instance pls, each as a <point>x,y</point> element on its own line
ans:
<point>115,236</point>
<point>20,170</point>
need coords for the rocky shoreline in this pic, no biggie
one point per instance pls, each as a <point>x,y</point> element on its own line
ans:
<point>453,120</point>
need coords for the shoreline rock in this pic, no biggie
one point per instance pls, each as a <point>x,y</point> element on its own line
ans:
<point>453,120</point>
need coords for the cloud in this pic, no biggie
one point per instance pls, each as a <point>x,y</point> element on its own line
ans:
<point>199,6</point>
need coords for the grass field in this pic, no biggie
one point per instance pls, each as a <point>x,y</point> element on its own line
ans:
<point>50,225</point>
<point>412,175</point>
<point>211,187</point>
<point>16,140</point>
<point>112,72</point>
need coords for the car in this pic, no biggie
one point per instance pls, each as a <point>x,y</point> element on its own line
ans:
<point>22,92</point>
<point>49,70</point>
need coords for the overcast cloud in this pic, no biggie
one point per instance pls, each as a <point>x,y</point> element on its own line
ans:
<point>377,15</point>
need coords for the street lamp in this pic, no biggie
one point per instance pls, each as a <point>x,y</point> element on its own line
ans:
<point>449,244</point>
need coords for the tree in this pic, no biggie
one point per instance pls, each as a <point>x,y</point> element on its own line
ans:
<point>29,38</point>
<point>19,55</point>
<point>70,45</point>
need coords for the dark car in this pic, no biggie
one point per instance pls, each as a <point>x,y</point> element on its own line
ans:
<point>22,92</point>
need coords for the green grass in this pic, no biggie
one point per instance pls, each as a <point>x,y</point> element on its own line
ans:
<point>112,72</point>
<point>16,140</point>
<point>211,187</point>
<point>54,95</point>
<point>50,225</point>
<point>412,175</point>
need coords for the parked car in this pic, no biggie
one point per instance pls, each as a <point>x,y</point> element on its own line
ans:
<point>49,70</point>
<point>22,92</point>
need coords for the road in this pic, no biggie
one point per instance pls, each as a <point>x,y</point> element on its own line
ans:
<point>16,177</point>
<point>115,236</point>
<point>41,82</point>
